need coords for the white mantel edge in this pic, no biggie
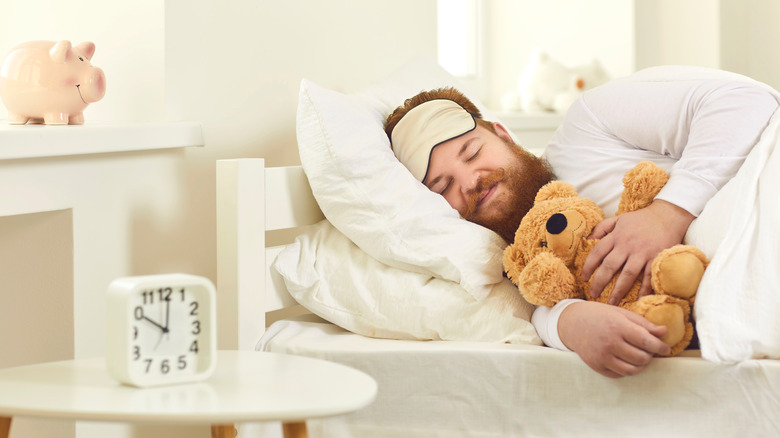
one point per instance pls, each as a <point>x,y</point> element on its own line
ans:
<point>39,141</point>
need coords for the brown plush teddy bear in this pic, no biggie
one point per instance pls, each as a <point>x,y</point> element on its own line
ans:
<point>551,244</point>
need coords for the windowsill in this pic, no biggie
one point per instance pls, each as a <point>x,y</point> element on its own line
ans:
<point>38,141</point>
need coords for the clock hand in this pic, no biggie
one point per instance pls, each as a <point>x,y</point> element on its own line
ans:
<point>164,329</point>
<point>167,314</point>
<point>158,342</point>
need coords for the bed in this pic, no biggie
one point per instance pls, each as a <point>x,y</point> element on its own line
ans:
<point>480,373</point>
<point>459,388</point>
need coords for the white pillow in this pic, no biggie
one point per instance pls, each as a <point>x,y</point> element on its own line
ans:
<point>333,278</point>
<point>368,195</point>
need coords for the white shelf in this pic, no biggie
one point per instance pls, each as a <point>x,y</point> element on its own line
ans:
<point>37,141</point>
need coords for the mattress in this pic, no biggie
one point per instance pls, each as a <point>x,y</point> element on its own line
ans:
<point>463,389</point>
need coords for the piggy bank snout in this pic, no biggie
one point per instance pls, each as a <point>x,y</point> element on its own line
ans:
<point>94,87</point>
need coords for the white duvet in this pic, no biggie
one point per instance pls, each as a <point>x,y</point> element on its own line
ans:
<point>737,307</point>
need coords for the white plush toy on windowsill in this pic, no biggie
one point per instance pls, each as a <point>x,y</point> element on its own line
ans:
<point>547,85</point>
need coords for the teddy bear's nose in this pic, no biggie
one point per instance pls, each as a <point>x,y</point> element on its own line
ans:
<point>556,224</point>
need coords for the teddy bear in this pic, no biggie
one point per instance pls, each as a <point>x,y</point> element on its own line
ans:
<point>547,85</point>
<point>546,258</point>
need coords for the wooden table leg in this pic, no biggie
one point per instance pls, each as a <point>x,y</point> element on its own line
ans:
<point>5,427</point>
<point>221,431</point>
<point>295,430</point>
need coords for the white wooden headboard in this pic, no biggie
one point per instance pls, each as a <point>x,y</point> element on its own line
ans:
<point>253,199</point>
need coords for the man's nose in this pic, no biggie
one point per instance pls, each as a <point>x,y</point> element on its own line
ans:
<point>469,183</point>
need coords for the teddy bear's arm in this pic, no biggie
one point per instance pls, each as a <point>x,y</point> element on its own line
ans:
<point>640,186</point>
<point>546,280</point>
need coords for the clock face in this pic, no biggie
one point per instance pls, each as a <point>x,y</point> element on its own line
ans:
<point>169,332</point>
<point>161,329</point>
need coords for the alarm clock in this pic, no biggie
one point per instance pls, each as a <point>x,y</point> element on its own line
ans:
<point>161,329</point>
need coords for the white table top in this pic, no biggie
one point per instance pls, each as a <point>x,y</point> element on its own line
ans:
<point>246,386</point>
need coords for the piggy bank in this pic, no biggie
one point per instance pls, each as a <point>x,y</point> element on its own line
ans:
<point>52,81</point>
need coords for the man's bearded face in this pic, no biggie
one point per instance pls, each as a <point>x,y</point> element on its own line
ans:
<point>522,178</point>
<point>488,178</point>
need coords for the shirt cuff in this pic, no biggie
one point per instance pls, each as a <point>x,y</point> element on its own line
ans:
<point>545,321</point>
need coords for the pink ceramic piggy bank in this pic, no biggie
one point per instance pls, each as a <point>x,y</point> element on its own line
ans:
<point>50,81</point>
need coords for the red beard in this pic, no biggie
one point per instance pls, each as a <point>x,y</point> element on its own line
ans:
<point>523,178</point>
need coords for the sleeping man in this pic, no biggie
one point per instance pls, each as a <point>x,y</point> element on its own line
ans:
<point>697,124</point>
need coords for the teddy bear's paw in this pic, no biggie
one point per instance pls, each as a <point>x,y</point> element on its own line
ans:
<point>671,313</point>
<point>546,280</point>
<point>671,316</point>
<point>677,271</point>
<point>640,186</point>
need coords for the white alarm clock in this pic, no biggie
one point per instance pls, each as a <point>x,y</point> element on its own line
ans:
<point>161,329</point>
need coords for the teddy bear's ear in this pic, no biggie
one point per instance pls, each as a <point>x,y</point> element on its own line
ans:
<point>556,189</point>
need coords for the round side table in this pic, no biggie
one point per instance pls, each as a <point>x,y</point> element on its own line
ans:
<point>246,386</point>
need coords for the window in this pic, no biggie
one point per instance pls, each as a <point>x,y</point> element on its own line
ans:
<point>458,36</point>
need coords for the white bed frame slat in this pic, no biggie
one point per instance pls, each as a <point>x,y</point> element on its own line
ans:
<point>289,203</point>
<point>276,295</point>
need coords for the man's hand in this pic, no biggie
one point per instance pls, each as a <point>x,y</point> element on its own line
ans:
<point>611,340</point>
<point>630,242</point>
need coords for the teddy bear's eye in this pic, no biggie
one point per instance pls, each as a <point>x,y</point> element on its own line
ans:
<point>543,244</point>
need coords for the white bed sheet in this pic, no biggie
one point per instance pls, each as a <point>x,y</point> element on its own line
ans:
<point>463,389</point>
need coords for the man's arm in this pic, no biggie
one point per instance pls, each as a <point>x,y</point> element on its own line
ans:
<point>723,121</point>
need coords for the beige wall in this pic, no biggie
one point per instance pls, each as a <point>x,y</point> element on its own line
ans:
<point>761,36</point>
<point>573,32</point>
<point>236,67</point>
<point>735,35</point>
<point>129,39</point>
<point>677,32</point>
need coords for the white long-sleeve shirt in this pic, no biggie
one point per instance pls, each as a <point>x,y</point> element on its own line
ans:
<point>698,124</point>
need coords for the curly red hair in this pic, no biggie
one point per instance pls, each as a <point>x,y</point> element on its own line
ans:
<point>439,93</point>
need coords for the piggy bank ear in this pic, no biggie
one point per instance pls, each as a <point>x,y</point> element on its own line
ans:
<point>61,51</point>
<point>556,189</point>
<point>87,48</point>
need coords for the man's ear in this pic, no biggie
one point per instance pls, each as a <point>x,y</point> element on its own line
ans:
<point>502,132</point>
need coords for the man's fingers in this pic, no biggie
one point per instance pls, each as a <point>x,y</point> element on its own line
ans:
<point>603,228</point>
<point>634,356</point>
<point>596,256</point>
<point>624,282</point>
<point>647,337</point>
<point>611,264</point>
<point>623,368</point>
<point>646,287</point>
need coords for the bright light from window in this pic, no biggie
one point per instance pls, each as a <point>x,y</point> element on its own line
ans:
<point>458,36</point>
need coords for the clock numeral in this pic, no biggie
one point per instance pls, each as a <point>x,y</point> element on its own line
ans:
<point>196,327</point>
<point>148,297</point>
<point>194,311</point>
<point>194,346</point>
<point>165,293</point>
<point>136,352</point>
<point>182,293</point>
<point>165,364</point>
<point>135,333</point>
<point>139,313</point>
